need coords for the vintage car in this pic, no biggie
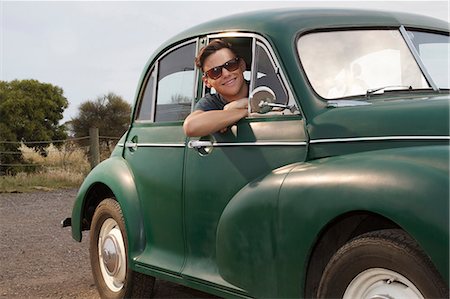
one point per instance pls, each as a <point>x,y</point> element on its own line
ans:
<point>335,186</point>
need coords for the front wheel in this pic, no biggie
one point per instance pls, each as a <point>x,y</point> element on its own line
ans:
<point>108,251</point>
<point>381,264</point>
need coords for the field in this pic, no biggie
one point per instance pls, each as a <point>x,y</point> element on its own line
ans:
<point>63,167</point>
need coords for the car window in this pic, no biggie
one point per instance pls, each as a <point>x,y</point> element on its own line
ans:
<point>175,86</point>
<point>145,108</point>
<point>266,74</point>
<point>434,50</point>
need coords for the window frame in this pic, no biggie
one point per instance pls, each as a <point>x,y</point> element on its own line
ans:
<point>153,71</point>
<point>266,46</point>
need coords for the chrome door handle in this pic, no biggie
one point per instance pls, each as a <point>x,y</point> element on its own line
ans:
<point>203,147</point>
<point>131,145</point>
<point>199,144</point>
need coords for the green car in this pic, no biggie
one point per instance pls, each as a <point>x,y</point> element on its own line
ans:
<point>335,186</point>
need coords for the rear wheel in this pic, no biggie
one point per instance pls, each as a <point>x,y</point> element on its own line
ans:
<point>381,264</point>
<point>108,252</point>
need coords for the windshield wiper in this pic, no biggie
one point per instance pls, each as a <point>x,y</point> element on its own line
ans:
<point>371,91</point>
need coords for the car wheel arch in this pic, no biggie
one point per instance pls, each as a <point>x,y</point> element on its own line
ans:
<point>110,179</point>
<point>349,226</point>
<point>95,195</point>
<point>100,191</point>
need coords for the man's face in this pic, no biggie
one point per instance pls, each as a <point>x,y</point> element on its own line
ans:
<point>231,84</point>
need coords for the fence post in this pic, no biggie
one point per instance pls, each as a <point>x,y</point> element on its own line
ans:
<point>94,147</point>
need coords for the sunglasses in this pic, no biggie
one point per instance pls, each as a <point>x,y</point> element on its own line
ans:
<point>216,72</point>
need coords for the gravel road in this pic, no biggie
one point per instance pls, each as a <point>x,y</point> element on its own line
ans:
<point>39,259</point>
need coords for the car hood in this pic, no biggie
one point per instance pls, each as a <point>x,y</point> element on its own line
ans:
<point>384,117</point>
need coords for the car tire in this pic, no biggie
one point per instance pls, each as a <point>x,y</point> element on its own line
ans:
<point>108,252</point>
<point>381,264</point>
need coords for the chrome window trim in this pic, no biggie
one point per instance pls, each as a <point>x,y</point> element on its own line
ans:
<point>382,138</point>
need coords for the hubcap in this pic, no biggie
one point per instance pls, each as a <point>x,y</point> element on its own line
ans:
<point>112,256</point>
<point>378,283</point>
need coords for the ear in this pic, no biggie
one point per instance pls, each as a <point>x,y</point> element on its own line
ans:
<point>206,81</point>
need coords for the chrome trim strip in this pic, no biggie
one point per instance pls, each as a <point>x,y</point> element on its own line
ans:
<point>260,143</point>
<point>160,145</point>
<point>383,138</point>
<point>223,144</point>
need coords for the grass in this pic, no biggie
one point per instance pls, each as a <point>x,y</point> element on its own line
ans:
<point>63,167</point>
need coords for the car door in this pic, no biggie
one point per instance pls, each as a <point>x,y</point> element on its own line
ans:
<point>224,163</point>
<point>155,150</point>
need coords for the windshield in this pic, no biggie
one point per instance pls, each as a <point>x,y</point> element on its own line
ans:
<point>356,62</point>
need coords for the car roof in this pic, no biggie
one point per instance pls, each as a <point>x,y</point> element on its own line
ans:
<point>279,24</point>
<point>282,26</point>
<point>282,22</point>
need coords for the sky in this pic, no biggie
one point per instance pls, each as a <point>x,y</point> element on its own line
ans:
<point>92,48</point>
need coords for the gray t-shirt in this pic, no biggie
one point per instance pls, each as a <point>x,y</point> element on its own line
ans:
<point>211,102</point>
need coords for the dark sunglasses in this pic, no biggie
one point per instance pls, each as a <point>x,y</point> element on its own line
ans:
<point>216,72</point>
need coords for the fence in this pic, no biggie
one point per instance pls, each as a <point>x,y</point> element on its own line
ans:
<point>94,147</point>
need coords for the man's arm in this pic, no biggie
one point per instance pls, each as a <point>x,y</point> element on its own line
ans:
<point>201,123</point>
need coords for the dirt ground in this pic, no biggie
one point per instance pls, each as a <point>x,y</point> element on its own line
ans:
<point>39,259</point>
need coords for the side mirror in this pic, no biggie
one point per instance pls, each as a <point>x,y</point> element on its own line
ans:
<point>261,98</point>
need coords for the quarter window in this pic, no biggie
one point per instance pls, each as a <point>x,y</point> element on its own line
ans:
<point>145,109</point>
<point>266,75</point>
<point>176,81</point>
<point>434,50</point>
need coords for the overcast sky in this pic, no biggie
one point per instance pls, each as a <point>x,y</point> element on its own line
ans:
<point>92,48</point>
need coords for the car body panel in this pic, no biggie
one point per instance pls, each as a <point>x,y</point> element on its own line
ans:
<point>160,191</point>
<point>237,158</point>
<point>255,233</point>
<point>399,123</point>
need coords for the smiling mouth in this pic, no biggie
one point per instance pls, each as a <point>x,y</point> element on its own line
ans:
<point>229,82</point>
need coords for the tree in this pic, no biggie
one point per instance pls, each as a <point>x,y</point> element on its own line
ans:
<point>29,111</point>
<point>109,113</point>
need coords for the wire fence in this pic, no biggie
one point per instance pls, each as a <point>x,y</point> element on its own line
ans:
<point>18,156</point>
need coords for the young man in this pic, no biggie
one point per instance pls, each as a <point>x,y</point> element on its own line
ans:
<point>222,70</point>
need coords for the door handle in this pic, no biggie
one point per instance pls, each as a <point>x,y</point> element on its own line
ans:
<point>203,147</point>
<point>131,145</point>
<point>199,144</point>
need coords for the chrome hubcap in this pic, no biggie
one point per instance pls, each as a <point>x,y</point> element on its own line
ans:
<point>112,256</point>
<point>378,283</point>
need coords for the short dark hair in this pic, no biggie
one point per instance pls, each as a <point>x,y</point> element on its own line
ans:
<point>212,47</point>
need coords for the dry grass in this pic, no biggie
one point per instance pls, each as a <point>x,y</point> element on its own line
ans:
<point>63,167</point>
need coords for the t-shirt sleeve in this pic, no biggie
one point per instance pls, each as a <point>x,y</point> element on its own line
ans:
<point>203,105</point>
<point>208,103</point>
